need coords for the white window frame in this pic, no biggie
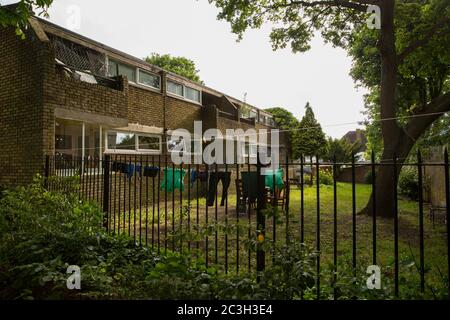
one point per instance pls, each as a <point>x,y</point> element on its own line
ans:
<point>150,73</point>
<point>175,94</point>
<point>149,151</point>
<point>136,143</point>
<point>199,91</point>
<point>128,65</point>
<point>184,92</point>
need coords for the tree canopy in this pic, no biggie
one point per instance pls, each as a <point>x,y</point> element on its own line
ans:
<point>285,120</point>
<point>310,137</point>
<point>17,15</point>
<point>179,65</point>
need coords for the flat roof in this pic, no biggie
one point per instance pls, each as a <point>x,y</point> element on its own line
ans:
<point>70,35</point>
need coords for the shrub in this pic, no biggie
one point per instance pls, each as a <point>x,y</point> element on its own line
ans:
<point>326,177</point>
<point>42,233</point>
<point>408,183</point>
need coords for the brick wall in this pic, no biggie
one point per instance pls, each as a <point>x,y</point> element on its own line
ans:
<point>20,100</point>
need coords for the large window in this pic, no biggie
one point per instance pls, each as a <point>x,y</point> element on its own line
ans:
<point>149,79</point>
<point>128,142</point>
<point>192,94</point>
<point>116,68</point>
<point>121,141</point>
<point>175,88</point>
<point>69,139</point>
<point>183,91</point>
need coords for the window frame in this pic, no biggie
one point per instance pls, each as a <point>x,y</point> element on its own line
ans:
<point>136,150</point>
<point>172,93</point>
<point>118,62</point>
<point>184,92</point>
<point>139,70</point>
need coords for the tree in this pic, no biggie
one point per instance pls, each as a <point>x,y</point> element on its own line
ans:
<point>179,65</point>
<point>16,15</point>
<point>310,137</point>
<point>399,48</point>
<point>285,120</point>
<point>341,150</point>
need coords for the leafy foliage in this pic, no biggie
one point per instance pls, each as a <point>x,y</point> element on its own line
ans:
<point>17,15</point>
<point>42,233</point>
<point>179,65</point>
<point>341,150</point>
<point>408,183</point>
<point>285,120</point>
<point>311,138</point>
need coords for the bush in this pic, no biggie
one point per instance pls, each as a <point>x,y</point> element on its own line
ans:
<point>42,233</point>
<point>326,177</point>
<point>408,183</point>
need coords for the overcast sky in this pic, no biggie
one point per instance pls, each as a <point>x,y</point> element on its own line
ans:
<point>189,28</point>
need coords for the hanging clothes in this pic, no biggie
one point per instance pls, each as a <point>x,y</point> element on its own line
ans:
<point>214,179</point>
<point>173,179</point>
<point>269,182</point>
<point>151,172</point>
<point>193,178</point>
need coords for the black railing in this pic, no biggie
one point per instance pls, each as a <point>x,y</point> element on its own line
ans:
<point>175,207</point>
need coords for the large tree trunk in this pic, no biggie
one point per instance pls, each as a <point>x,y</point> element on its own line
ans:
<point>392,134</point>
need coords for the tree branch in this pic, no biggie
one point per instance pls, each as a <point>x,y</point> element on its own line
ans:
<point>360,5</point>
<point>424,41</point>
<point>423,119</point>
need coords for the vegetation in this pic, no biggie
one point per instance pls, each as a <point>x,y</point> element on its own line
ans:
<point>179,65</point>
<point>404,64</point>
<point>311,138</point>
<point>17,15</point>
<point>285,120</point>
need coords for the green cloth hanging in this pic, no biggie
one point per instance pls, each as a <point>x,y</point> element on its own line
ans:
<point>171,182</point>
<point>278,179</point>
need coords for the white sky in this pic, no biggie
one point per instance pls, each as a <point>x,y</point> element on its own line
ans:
<point>189,28</point>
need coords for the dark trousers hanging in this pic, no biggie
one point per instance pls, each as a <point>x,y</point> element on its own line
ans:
<point>214,179</point>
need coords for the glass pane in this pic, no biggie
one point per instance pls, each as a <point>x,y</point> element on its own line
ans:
<point>192,94</point>
<point>92,141</point>
<point>128,71</point>
<point>149,79</point>
<point>112,68</point>
<point>149,143</point>
<point>68,138</point>
<point>121,141</point>
<point>116,68</point>
<point>175,88</point>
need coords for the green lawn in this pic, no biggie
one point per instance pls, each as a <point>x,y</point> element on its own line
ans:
<point>434,240</point>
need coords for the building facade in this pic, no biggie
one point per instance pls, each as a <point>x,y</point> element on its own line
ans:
<point>66,95</point>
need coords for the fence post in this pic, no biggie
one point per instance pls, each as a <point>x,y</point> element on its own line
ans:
<point>260,221</point>
<point>106,167</point>
<point>46,171</point>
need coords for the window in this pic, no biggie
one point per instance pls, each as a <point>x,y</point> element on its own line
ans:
<point>250,150</point>
<point>121,141</point>
<point>148,79</point>
<point>116,68</point>
<point>149,143</point>
<point>129,142</point>
<point>192,94</point>
<point>175,88</point>
<point>252,114</point>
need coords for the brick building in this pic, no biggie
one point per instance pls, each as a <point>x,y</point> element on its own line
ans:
<point>64,94</point>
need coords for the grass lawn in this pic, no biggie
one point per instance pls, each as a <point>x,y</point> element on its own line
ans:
<point>434,241</point>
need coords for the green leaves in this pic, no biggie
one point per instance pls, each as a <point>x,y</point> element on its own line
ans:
<point>17,15</point>
<point>179,65</point>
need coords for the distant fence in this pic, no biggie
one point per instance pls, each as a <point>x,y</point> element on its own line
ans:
<point>221,210</point>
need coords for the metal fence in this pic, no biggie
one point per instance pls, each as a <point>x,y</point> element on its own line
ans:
<point>176,207</point>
